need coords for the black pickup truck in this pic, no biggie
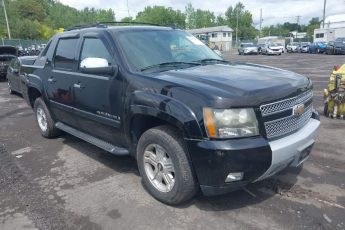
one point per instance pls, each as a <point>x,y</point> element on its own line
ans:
<point>191,119</point>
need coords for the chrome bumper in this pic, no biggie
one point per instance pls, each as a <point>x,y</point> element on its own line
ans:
<point>287,150</point>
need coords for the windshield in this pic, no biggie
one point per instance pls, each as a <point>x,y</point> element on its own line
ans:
<point>340,40</point>
<point>294,43</point>
<point>279,44</point>
<point>273,45</point>
<point>147,48</point>
<point>247,45</point>
<point>6,58</point>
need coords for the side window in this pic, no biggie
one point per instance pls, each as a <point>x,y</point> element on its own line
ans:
<point>45,50</point>
<point>64,54</point>
<point>95,48</point>
<point>16,64</point>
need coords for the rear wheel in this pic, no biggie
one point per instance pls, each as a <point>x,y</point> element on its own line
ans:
<point>164,166</point>
<point>44,119</point>
<point>10,87</point>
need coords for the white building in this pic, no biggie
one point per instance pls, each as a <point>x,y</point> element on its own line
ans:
<point>296,34</point>
<point>271,39</point>
<point>334,28</point>
<point>218,37</point>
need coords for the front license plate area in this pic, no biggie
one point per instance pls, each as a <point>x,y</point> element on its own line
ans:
<point>305,153</point>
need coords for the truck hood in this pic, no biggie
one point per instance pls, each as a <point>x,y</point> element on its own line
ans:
<point>8,50</point>
<point>238,84</point>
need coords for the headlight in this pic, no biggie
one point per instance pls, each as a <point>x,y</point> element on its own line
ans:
<point>230,123</point>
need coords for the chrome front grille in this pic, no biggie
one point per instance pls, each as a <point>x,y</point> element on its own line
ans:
<point>288,122</point>
<point>286,104</point>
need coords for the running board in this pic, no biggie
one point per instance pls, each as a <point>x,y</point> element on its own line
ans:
<point>92,140</point>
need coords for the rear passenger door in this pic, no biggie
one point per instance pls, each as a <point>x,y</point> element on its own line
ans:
<point>96,97</point>
<point>61,78</point>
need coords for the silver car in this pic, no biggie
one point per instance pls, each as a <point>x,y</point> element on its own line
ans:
<point>247,48</point>
<point>271,49</point>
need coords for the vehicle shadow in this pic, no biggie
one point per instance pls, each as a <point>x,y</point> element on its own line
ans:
<point>120,164</point>
<point>252,194</point>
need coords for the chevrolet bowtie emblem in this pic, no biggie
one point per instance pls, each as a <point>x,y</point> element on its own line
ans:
<point>298,109</point>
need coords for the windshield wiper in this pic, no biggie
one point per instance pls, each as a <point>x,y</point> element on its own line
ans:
<point>211,60</point>
<point>169,64</point>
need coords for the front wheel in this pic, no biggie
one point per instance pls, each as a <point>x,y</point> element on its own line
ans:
<point>164,166</point>
<point>44,119</point>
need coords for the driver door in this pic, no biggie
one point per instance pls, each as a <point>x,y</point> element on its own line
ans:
<point>98,94</point>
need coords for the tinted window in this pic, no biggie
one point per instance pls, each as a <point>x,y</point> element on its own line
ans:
<point>94,47</point>
<point>45,50</point>
<point>64,54</point>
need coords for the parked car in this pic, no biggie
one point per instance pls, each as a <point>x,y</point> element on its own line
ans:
<point>303,47</point>
<point>280,46</point>
<point>336,47</point>
<point>191,119</point>
<point>7,53</point>
<point>317,47</point>
<point>271,49</point>
<point>247,48</point>
<point>292,47</point>
<point>16,80</point>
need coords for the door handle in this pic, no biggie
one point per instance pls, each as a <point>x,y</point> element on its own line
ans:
<point>78,86</point>
<point>51,80</point>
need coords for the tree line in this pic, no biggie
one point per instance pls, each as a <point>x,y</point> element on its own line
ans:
<point>41,19</point>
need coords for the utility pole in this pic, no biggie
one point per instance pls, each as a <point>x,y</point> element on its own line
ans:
<point>260,21</point>
<point>237,27</point>
<point>8,27</point>
<point>128,9</point>
<point>324,14</point>
<point>298,17</point>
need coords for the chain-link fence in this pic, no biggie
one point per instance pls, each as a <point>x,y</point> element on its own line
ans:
<point>25,47</point>
<point>23,43</point>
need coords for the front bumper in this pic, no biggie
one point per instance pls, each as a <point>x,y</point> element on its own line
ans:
<point>256,157</point>
<point>250,51</point>
<point>274,52</point>
<point>339,50</point>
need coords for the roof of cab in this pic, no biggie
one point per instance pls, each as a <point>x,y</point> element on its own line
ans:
<point>97,28</point>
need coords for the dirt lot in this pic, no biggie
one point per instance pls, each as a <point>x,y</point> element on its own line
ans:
<point>65,183</point>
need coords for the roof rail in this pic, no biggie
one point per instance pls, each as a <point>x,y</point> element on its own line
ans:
<point>135,23</point>
<point>103,25</point>
<point>78,27</point>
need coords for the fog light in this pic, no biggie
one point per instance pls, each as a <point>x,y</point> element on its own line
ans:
<point>234,177</point>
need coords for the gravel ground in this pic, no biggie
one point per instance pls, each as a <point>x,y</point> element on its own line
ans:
<point>66,183</point>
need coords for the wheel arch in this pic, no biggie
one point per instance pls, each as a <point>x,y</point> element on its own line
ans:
<point>34,89</point>
<point>148,110</point>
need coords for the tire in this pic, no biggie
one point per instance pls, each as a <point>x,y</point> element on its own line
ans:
<point>10,88</point>
<point>49,130</point>
<point>168,140</point>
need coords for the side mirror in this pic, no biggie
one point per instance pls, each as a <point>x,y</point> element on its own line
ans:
<point>97,66</point>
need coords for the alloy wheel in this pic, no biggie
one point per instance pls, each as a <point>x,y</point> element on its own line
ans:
<point>159,168</point>
<point>42,119</point>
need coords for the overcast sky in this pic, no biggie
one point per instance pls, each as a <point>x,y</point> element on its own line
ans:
<point>273,11</point>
